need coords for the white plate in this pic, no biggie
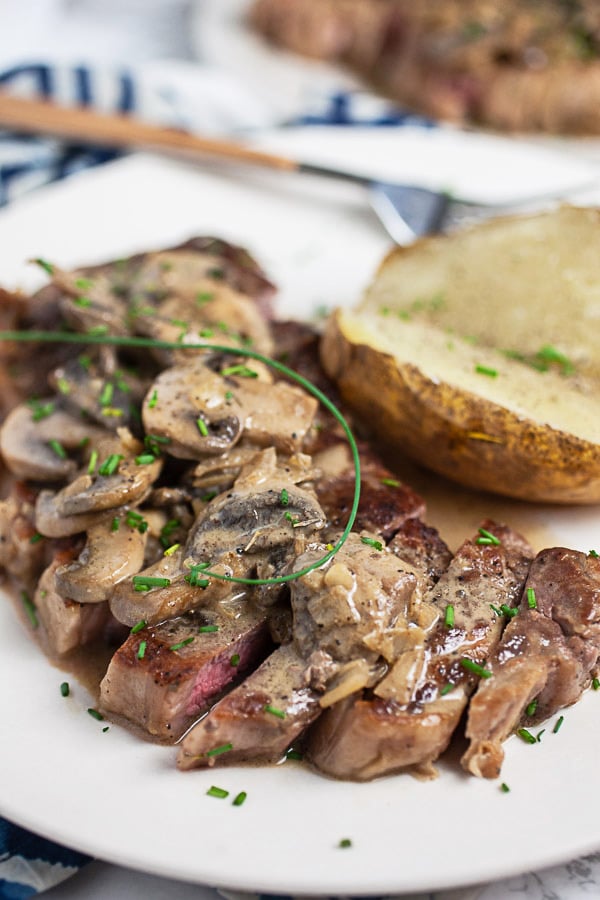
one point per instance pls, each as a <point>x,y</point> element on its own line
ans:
<point>121,799</point>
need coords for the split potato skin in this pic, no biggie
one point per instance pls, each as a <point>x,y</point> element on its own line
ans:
<point>477,354</point>
<point>458,433</point>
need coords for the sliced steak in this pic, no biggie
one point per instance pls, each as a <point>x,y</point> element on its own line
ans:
<point>409,717</point>
<point>259,719</point>
<point>164,676</point>
<point>22,554</point>
<point>67,624</point>
<point>546,658</point>
<point>422,547</point>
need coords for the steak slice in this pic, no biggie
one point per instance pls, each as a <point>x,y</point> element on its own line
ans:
<point>409,717</point>
<point>164,676</point>
<point>546,658</point>
<point>259,719</point>
<point>68,624</point>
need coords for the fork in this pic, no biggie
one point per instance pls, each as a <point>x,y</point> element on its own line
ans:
<point>406,211</point>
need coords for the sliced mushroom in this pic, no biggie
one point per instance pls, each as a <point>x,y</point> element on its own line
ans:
<point>202,412</point>
<point>189,406</point>
<point>110,555</point>
<point>106,396</point>
<point>180,592</point>
<point>50,522</point>
<point>90,302</point>
<point>36,448</point>
<point>130,484</point>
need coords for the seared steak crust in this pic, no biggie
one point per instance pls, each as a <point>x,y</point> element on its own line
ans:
<point>547,656</point>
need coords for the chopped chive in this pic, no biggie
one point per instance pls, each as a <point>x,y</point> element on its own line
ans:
<point>526,736</point>
<point>83,442</point>
<point>57,448</point>
<point>82,302</point>
<point>239,799</point>
<point>65,689</point>
<point>449,617</point>
<point>531,707</point>
<point>167,530</point>
<point>559,722</point>
<point>486,370</point>
<point>145,459</point>
<point>509,611</point>
<point>111,464</point>
<point>172,549</point>
<point>538,736</point>
<point>531,599</point>
<point>293,754</point>
<point>36,538</point>
<point>486,537</point>
<point>98,330</point>
<point>284,497</point>
<point>241,370</point>
<point>202,426</point>
<point>390,482</point>
<point>114,525</point>
<point>345,842</point>
<point>135,520</point>
<point>105,729</point>
<point>596,683</point>
<point>446,689</point>
<point>291,518</point>
<point>207,629</point>
<point>377,545</point>
<point>40,410</point>
<point>145,582</point>
<point>594,554</point>
<point>113,411</point>
<point>153,399</point>
<point>45,265</point>
<point>29,608</point>
<point>229,396</point>
<point>549,354</point>
<point>63,386</point>
<point>210,495</point>
<point>216,272</point>
<point>139,626</point>
<point>504,788</point>
<point>83,284</point>
<point>235,659</point>
<point>95,714</point>
<point>216,751</point>
<point>142,649</point>
<point>475,668</point>
<point>214,791</point>
<point>204,297</point>
<point>93,462</point>
<point>84,361</point>
<point>206,333</point>
<point>280,713</point>
<point>107,394</point>
<point>181,644</point>
<point>496,610</point>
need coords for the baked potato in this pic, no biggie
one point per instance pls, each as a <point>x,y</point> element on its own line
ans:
<point>478,355</point>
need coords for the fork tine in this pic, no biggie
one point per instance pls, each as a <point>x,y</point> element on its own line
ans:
<point>407,212</point>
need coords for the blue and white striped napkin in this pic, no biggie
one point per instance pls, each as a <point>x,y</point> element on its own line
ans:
<point>177,94</point>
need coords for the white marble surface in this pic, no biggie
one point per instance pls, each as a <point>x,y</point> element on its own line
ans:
<point>99,881</point>
<point>101,30</point>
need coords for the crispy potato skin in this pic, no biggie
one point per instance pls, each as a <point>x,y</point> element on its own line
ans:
<point>442,427</point>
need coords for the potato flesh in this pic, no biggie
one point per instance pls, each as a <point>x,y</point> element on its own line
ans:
<point>517,283</point>
<point>564,403</point>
